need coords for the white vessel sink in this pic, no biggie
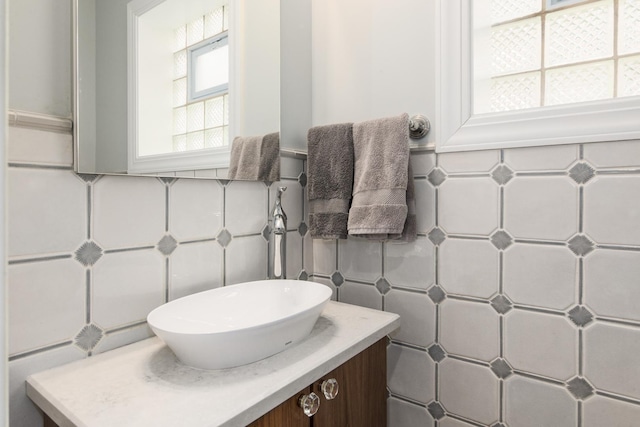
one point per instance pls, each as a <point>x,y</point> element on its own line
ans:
<point>239,324</point>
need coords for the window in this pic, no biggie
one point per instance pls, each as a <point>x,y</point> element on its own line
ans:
<point>201,83</point>
<point>555,52</point>
<point>517,73</point>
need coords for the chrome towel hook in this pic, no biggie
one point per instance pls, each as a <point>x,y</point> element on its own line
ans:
<point>419,126</point>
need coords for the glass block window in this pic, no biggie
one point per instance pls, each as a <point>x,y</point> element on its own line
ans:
<point>203,121</point>
<point>554,52</point>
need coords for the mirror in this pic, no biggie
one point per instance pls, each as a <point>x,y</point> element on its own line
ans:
<point>142,102</point>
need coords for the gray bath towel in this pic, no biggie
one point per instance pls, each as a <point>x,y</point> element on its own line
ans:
<point>330,179</point>
<point>379,207</point>
<point>255,158</point>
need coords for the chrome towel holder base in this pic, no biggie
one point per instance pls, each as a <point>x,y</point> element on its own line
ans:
<point>419,126</point>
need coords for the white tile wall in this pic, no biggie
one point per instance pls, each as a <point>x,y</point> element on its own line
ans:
<point>530,314</point>
<point>505,322</point>
<point>90,255</point>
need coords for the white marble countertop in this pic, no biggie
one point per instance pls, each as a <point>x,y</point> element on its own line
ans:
<point>143,384</point>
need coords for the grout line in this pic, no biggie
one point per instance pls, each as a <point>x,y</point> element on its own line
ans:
<point>501,402</point>
<point>466,420</point>
<point>188,242</point>
<point>539,242</point>
<point>619,248</point>
<point>580,280</point>
<point>580,353</point>
<point>468,298</point>
<point>436,381</point>
<point>407,400</point>
<point>502,337</point>
<point>617,397</point>
<point>140,248</point>
<point>89,213</point>
<point>549,173</point>
<point>580,410</point>
<point>125,327</point>
<point>538,377</point>
<point>538,309</point>
<point>88,296</point>
<point>469,360</point>
<point>501,272</point>
<point>618,321</point>
<point>45,258</point>
<point>19,356</point>
<point>437,324</point>
<point>167,275</point>
<point>166,209</point>
<point>581,209</point>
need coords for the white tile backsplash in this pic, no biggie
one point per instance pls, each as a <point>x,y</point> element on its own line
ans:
<point>540,275</point>
<point>541,344</point>
<point>404,264</point>
<point>245,207</point>
<point>128,212</point>
<point>403,414</point>
<point>533,403</point>
<point>417,311</point>
<point>468,206</point>
<point>541,207</point>
<point>611,283</point>
<point>469,390</point>
<point>554,158</point>
<point>195,209</point>
<point>620,154</point>
<point>469,267</point>
<point>470,329</point>
<point>612,210</point>
<point>139,274</point>
<point>47,303</point>
<point>465,162</point>
<point>600,411</point>
<point>410,373</point>
<point>610,361</point>
<point>196,267</point>
<point>246,260</point>
<point>47,212</point>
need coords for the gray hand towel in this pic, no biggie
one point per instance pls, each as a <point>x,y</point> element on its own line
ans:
<point>330,179</point>
<point>269,169</point>
<point>255,158</point>
<point>379,208</point>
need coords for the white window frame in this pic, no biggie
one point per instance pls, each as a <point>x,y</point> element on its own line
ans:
<point>193,52</point>
<point>459,129</point>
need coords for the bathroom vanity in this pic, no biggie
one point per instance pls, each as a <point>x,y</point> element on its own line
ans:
<point>143,384</point>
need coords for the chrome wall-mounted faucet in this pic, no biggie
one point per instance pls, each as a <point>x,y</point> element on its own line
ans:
<point>280,237</point>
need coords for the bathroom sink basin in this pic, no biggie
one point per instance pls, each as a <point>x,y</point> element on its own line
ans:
<point>239,324</point>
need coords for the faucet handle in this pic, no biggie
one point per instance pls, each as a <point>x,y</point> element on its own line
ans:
<point>281,190</point>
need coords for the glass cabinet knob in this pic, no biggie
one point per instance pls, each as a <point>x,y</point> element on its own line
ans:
<point>310,403</point>
<point>330,388</point>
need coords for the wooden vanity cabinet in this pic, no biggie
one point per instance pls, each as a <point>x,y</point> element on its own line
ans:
<point>361,400</point>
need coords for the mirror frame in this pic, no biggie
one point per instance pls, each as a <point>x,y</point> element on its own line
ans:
<point>459,129</point>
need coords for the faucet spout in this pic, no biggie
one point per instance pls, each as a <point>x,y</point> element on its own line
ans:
<point>280,237</point>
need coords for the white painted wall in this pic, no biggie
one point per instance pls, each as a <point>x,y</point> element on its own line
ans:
<point>373,58</point>
<point>40,56</point>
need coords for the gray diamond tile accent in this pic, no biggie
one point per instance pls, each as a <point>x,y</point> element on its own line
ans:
<point>167,245</point>
<point>436,177</point>
<point>88,254</point>
<point>581,173</point>
<point>303,275</point>
<point>383,286</point>
<point>88,337</point>
<point>580,388</point>
<point>501,304</point>
<point>302,229</point>
<point>501,240</point>
<point>223,182</point>
<point>266,232</point>
<point>498,425</point>
<point>501,368</point>
<point>436,410</point>
<point>436,294</point>
<point>502,174</point>
<point>580,315</point>
<point>302,179</point>
<point>224,238</point>
<point>437,236</point>
<point>337,278</point>
<point>581,245</point>
<point>88,177</point>
<point>168,180</point>
<point>436,352</point>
